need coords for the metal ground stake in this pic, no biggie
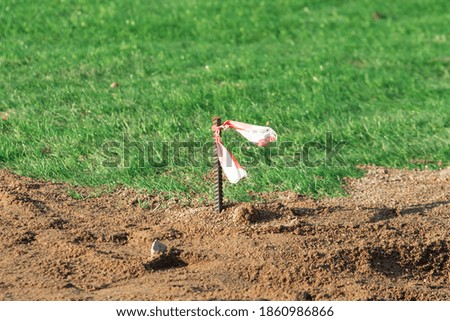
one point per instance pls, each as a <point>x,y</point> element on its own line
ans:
<point>218,189</point>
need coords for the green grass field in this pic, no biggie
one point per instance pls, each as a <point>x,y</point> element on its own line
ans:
<point>374,74</point>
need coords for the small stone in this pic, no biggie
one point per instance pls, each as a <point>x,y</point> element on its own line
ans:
<point>158,249</point>
<point>114,85</point>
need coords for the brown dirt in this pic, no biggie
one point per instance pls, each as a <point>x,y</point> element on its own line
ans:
<point>388,240</point>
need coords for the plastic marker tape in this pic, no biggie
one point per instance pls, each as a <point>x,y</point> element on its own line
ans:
<point>259,135</point>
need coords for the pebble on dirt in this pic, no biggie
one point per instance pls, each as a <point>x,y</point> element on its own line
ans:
<point>157,249</point>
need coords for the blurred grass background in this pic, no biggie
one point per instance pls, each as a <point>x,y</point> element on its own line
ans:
<point>373,73</point>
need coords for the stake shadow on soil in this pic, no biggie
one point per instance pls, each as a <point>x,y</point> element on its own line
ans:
<point>261,216</point>
<point>386,213</point>
<point>422,208</point>
<point>308,211</point>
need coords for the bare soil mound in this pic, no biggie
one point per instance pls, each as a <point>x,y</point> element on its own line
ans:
<point>388,240</point>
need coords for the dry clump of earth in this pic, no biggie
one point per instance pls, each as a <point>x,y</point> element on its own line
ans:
<point>387,240</point>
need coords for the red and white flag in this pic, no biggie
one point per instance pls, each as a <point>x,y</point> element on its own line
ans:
<point>259,135</point>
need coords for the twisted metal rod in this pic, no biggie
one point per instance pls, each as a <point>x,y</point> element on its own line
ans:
<point>218,188</point>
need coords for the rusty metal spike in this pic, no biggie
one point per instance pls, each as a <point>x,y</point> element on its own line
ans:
<point>218,189</point>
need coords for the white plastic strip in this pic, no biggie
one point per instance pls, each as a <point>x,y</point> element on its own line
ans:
<point>259,135</point>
